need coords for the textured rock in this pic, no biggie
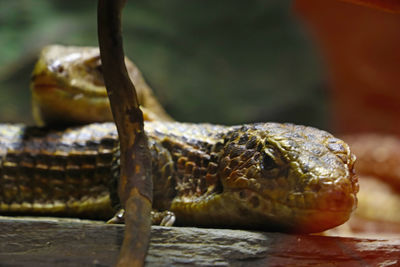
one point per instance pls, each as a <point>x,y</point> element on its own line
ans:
<point>65,242</point>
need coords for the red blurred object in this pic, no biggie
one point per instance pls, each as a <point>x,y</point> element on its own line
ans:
<point>361,47</point>
<point>387,5</point>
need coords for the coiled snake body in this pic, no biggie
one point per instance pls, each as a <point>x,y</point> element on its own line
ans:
<point>268,176</point>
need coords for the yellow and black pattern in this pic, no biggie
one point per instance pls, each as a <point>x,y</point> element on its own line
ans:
<point>267,175</point>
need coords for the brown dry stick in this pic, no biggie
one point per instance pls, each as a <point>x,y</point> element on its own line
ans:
<point>135,188</point>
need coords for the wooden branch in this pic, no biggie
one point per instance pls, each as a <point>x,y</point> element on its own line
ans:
<point>63,242</point>
<point>135,184</point>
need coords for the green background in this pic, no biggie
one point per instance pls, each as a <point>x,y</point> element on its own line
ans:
<point>221,61</point>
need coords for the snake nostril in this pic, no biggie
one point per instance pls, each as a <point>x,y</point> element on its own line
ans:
<point>242,194</point>
<point>60,69</point>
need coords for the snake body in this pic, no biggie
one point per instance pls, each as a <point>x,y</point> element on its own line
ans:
<point>267,176</point>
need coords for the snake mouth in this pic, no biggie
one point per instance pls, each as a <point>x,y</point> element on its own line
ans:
<point>40,82</point>
<point>41,88</point>
<point>44,82</point>
<point>52,102</point>
<point>247,209</point>
<point>332,201</point>
<point>270,214</point>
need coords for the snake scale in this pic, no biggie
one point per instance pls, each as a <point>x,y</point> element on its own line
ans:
<point>269,176</point>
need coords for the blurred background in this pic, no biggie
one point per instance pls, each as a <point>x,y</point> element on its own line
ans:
<point>216,61</point>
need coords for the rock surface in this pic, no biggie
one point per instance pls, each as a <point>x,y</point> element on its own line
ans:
<point>71,242</point>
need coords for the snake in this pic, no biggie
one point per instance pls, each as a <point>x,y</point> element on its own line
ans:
<point>269,176</point>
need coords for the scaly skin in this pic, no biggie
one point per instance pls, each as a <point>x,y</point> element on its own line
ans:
<point>68,88</point>
<point>267,176</point>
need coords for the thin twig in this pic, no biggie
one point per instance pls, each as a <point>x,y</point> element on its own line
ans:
<point>135,185</point>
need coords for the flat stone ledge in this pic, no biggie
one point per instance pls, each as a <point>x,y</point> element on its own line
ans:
<point>71,242</point>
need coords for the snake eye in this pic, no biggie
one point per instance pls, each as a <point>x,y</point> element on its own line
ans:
<point>268,163</point>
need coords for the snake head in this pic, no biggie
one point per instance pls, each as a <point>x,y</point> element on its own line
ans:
<point>287,177</point>
<point>68,88</point>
